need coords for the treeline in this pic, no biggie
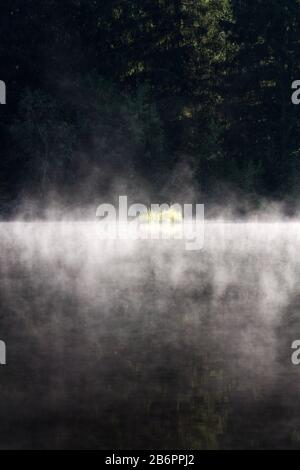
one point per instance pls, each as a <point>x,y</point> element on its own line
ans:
<point>129,88</point>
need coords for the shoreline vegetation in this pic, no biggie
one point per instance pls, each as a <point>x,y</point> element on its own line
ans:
<point>153,98</point>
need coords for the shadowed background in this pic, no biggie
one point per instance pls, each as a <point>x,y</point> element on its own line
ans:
<point>104,90</point>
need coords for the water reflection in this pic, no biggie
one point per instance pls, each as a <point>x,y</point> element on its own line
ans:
<point>143,344</point>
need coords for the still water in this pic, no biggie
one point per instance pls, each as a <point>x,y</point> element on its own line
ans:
<point>146,345</point>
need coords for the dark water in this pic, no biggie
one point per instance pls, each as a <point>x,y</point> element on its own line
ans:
<point>142,344</point>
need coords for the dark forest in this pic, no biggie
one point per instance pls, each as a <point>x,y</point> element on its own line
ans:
<point>99,88</point>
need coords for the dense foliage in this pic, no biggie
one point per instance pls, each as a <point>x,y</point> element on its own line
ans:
<point>132,88</point>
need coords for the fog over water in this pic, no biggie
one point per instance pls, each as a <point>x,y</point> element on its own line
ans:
<point>115,344</point>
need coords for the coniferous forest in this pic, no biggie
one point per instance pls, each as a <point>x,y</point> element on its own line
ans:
<point>138,89</point>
